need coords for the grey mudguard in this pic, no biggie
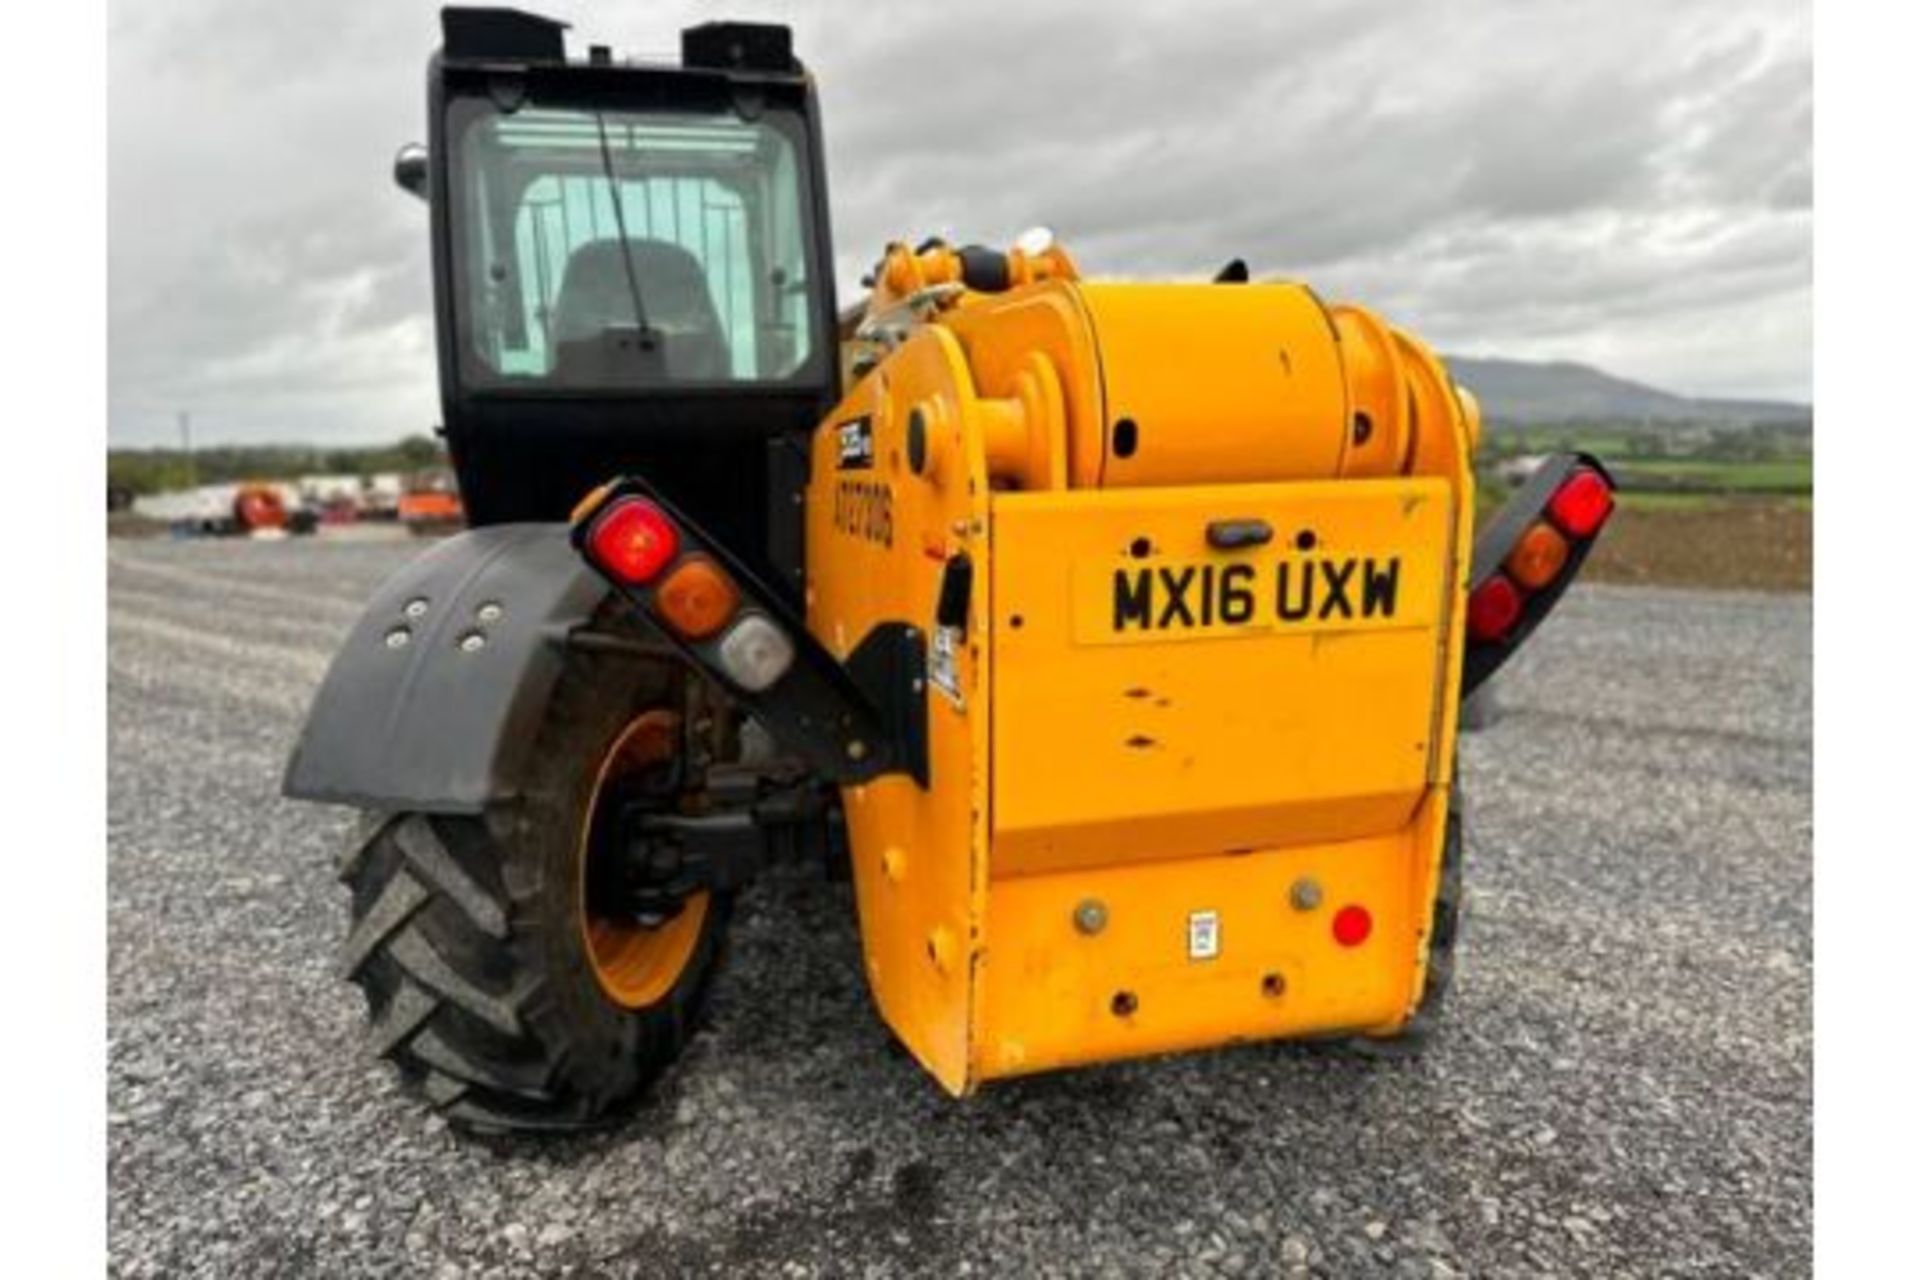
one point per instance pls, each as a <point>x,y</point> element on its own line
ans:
<point>433,702</point>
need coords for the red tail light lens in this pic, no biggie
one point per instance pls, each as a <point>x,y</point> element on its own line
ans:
<point>1352,925</point>
<point>1493,608</point>
<point>633,540</point>
<point>1582,504</point>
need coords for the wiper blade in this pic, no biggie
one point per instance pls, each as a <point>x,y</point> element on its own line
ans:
<point>620,224</point>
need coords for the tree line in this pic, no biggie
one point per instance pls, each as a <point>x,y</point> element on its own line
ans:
<point>143,471</point>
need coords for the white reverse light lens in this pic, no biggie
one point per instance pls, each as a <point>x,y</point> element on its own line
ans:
<point>755,652</point>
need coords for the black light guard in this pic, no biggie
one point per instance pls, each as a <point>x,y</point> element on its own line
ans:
<point>1496,542</point>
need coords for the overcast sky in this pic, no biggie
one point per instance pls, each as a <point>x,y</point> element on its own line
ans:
<point>1623,182</point>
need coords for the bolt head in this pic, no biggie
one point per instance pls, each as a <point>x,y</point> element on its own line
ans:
<point>1090,917</point>
<point>856,750</point>
<point>416,607</point>
<point>1305,894</point>
<point>398,638</point>
<point>472,642</point>
<point>489,612</point>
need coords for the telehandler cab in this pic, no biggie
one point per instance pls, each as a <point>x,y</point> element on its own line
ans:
<point>1114,633</point>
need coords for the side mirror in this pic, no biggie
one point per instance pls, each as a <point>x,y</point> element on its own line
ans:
<point>410,169</point>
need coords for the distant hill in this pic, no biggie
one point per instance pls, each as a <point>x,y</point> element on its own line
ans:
<point>1516,392</point>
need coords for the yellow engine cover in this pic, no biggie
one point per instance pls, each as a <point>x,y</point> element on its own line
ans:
<point>1163,760</point>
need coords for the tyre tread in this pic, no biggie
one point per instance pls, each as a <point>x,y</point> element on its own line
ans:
<point>399,899</point>
<point>434,863</point>
<point>426,966</point>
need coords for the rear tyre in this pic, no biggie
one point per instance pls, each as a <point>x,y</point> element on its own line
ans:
<point>1448,904</point>
<point>507,994</point>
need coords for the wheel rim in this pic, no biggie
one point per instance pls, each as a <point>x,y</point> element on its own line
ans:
<point>636,965</point>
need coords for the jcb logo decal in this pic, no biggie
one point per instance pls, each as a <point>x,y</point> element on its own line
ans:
<point>864,509</point>
<point>856,444</point>
<point>1315,592</point>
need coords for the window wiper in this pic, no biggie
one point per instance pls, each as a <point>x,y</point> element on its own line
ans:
<point>620,224</point>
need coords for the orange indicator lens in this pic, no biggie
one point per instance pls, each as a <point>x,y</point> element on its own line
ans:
<point>697,598</point>
<point>1538,557</point>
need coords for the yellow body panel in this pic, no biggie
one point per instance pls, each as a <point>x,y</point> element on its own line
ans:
<point>878,539</point>
<point>1099,753</point>
<point>1167,736</point>
<point>1049,989</point>
<point>1221,384</point>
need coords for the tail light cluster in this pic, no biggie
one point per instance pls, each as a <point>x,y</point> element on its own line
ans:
<point>850,718</point>
<point>1542,555</point>
<point>636,543</point>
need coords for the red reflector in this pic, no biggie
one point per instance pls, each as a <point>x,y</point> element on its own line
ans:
<point>1582,503</point>
<point>1352,925</point>
<point>1493,608</point>
<point>633,540</point>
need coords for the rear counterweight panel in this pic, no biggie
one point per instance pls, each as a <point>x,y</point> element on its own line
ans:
<point>1267,963</point>
<point>1156,698</point>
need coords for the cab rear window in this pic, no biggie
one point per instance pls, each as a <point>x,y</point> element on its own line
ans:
<point>688,267</point>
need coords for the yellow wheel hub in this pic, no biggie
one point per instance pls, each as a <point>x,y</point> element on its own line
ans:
<point>636,965</point>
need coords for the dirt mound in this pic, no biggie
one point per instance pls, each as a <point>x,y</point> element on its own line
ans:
<point>1758,545</point>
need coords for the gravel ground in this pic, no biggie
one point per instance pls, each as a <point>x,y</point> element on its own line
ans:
<point>1624,1086</point>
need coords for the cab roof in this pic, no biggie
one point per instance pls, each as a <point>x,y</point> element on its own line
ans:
<point>496,35</point>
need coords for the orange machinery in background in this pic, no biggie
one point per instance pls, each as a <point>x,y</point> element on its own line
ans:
<point>431,503</point>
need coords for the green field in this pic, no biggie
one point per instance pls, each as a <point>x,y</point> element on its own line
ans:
<point>1772,475</point>
<point>1659,471</point>
<point>1703,520</point>
<point>1688,484</point>
<point>1661,500</point>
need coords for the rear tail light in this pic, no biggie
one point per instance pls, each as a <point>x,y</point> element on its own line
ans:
<point>1538,557</point>
<point>1527,555</point>
<point>633,540</point>
<point>1493,608</point>
<point>697,598</point>
<point>755,652</point>
<point>1582,503</point>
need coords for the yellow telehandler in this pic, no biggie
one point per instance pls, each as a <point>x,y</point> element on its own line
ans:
<point>1114,635</point>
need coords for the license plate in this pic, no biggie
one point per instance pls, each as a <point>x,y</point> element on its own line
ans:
<point>1168,599</point>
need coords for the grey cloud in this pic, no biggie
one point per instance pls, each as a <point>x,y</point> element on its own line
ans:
<point>1627,183</point>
